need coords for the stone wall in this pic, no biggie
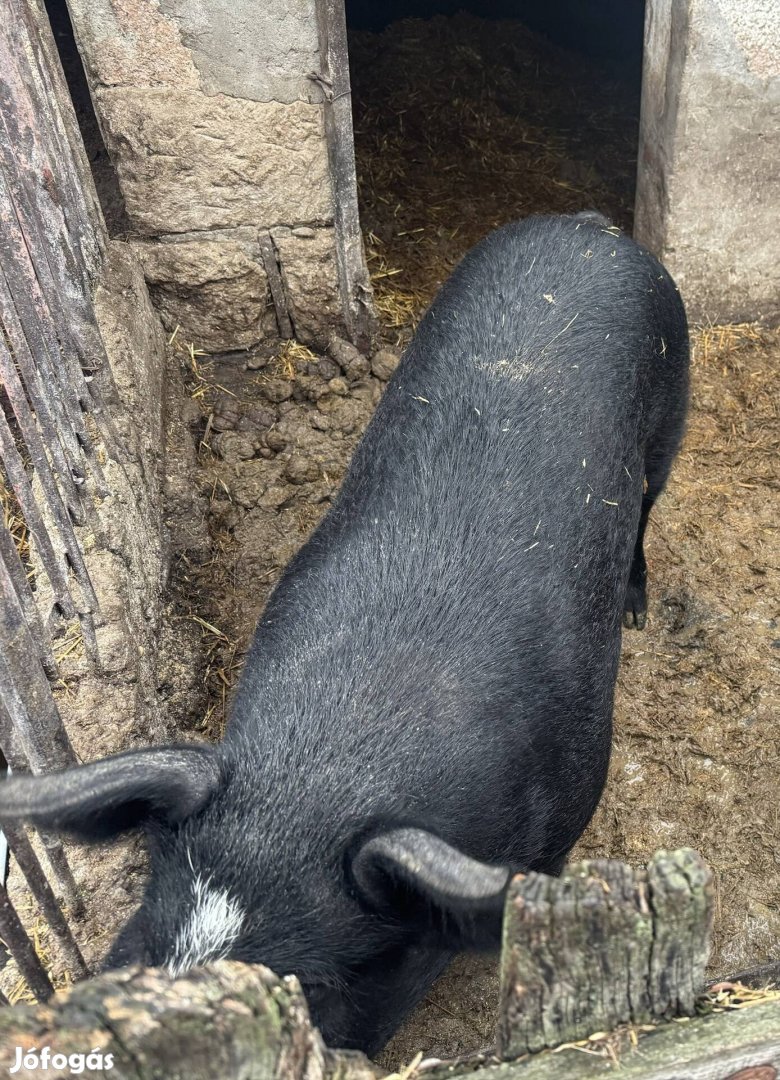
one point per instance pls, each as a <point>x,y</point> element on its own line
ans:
<point>708,189</point>
<point>217,134</point>
<point>221,117</point>
<point>124,545</point>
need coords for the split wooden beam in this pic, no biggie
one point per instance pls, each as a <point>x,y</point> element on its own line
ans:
<point>333,78</point>
<point>601,946</point>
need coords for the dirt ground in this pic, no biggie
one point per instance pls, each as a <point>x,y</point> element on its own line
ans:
<point>461,125</point>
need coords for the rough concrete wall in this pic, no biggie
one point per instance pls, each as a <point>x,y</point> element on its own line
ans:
<point>110,707</point>
<point>216,132</point>
<point>708,193</point>
<point>260,51</point>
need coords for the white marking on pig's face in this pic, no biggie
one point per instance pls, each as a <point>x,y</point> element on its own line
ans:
<point>212,927</point>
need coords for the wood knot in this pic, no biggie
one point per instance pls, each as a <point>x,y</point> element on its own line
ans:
<point>50,184</point>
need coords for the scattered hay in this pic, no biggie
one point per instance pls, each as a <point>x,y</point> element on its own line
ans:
<point>219,679</point>
<point>71,645</point>
<point>710,343</point>
<point>12,982</point>
<point>220,651</point>
<point>14,522</point>
<point>727,996</point>
<point>199,581</point>
<point>407,1072</point>
<point>609,1045</point>
<point>291,354</point>
<point>198,373</point>
<point>722,997</point>
<point>463,124</point>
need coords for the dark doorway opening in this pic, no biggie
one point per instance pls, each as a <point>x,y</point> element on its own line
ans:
<point>470,114</point>
<point>104,175</point>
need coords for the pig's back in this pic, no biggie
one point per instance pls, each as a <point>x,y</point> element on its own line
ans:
<point>455,619</point>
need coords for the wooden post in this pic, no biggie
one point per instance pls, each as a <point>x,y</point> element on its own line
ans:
<point>601,946</point>
<point>268,255</point>
<point>354,281</point>
<point>739,1045</point>
<point>231,1022</point>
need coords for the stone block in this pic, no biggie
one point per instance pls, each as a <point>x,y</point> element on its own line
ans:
<point>188,162</point>
<point>307,259</point>
<point>212,289</point>
<point>284,46</point>
<point>191,44</point>
<point>131,43</point>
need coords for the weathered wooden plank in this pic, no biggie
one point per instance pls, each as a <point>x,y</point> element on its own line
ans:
<point>53,564</point>
<point>601,946</point>
<point>56,569</point>
<point>70,177</point>
<point>739,1045</point>
<point>26,119</point>
<point>27,860</point>
<point>94,237</point>
<point>271,265</point>
<point>53,191</point>
<point>14,752</point>
<point>17,575</point>
<point>35,717</point>
<point>333,78</point>
<point>14,935</point>
<point>231,1022</point>
<point>37,293</point>
<point>680,894</point>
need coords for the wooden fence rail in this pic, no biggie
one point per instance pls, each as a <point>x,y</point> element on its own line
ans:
<point>603,945</point>
<point>55,433</point>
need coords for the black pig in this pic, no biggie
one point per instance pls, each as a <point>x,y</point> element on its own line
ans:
<point>426,706</point>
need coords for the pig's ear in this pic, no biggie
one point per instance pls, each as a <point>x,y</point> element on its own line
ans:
<point>105,798</point>
<point>414,876</point>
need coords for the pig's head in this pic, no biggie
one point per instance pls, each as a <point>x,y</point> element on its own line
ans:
<point>365,914</point>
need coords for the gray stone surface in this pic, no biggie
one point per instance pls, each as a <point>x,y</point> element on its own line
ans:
<point>216,129</point>
<point>708,190</point>
<point>190,162</point>
<point>214,290</point>
<point>259,51</point>
<point>309,275</point>
<point>131,43</point>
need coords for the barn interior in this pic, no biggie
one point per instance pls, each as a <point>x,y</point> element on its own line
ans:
<point>468,115</point>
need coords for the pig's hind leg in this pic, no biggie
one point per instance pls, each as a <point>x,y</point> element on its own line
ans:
<point>657,471</point>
